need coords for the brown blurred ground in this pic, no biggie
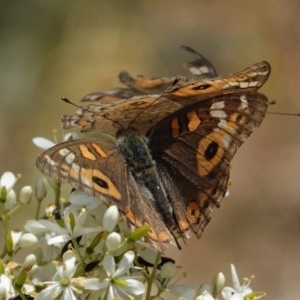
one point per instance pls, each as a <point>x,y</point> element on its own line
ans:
<point>50,49</point>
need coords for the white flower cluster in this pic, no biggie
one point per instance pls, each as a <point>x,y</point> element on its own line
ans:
<point>83,249</point>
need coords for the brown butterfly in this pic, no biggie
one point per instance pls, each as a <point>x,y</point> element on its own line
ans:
<point>124,104</point>
<point>169,167</point>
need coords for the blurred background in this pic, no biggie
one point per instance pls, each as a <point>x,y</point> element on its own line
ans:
<point>50,49</point>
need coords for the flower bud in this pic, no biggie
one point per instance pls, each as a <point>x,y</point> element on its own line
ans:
<point>38,253</point>
<point>40,189</point>
<point>110,218</point>
<point>113,241</point>
<point>167,270</point>
<point>204,287</point>
<point>139,233</point>
<point>96,240</point>
<point>2,267</point>
<point>29,262</point>
<point>33,270</point>
<point>218,284</point>
<point>3,194</point>
<point>15,236</point>
<point>25,194</point>
<point>11,200</point>
<point>9,245</point>
<point>54,183</point>
<point>27,240</point>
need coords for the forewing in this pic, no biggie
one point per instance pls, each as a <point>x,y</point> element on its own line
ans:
<point>195,146</point>
<point>95,167</point>
<point>157,107</point>
<point>92,166</point>
<point>250,79</point>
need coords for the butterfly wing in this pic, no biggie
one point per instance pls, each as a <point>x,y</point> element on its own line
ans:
<point>200,67</point>
<point>95,167</point>
<point>193,148</point>
<point>249,79</point>
<point>125,110</point>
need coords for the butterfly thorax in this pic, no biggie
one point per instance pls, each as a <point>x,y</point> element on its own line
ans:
<point>134,148</point>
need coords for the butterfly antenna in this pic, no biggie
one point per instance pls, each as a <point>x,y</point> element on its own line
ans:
<point>283,114</point>
<point>160,96</point>
<point>85,109</point>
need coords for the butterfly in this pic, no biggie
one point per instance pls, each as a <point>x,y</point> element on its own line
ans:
<point>169,165</point>
<point>124,104</point>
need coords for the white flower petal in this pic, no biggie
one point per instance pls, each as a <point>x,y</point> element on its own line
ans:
<point>112,293</point>
<point>109,265</point>
<point>3,293</point>
<point>44,273</point>
<point>59,239</point>
<point>205,296</point>
<point>47,293</point>
<point>179,289</point>
<point>68,294</point>
<point>125,263</point>
<point>6,281</point>
<point>229,293</point>
<point>95,284</point>
<point>189,294</point>
<point>134,287</point>
<point>235,279</point>
<point>82,199</point>
<point>43,143</point>
<point>146,253</point>
<point>53,227</point>
<point>8,179</point>
<point>79,222</point>
<point>16,235</point>
<point>69,259</point>
<point>35,227</point>
<point>70,135</point>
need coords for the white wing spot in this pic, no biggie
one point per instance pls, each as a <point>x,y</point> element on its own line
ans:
<point>86,181</point>
<point>49,160</point>
<point>253,83</point>
<point>224,125</point>
<point>244,85</point>
<point>226,141</point>
<point>76,168</point>
<point>63,151</point>
<point>226,86</point>
<point>244,102</point>
<point>233,83</point>
<point>217,110</point>
<point>218,105</point>
<point>70,158</point>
